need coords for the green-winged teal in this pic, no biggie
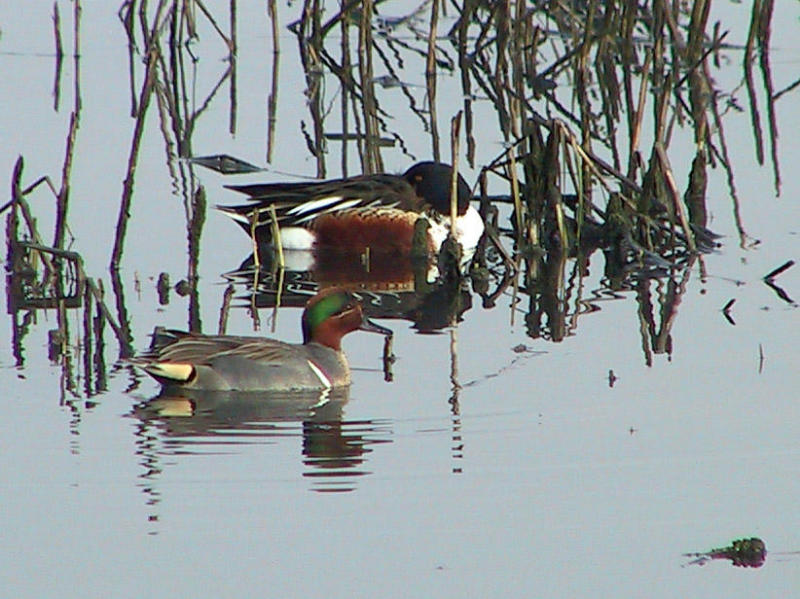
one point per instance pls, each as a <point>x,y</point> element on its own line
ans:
<point>233,363</point>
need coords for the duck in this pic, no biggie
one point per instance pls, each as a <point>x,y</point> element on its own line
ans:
<point>191,361</point>
<point>379,212</point>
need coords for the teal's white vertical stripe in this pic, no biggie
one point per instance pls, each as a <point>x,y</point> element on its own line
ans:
<point>326,382</point>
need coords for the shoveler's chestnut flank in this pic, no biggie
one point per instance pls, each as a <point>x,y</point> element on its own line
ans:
<point>231,363</point>
<point>369,211</point>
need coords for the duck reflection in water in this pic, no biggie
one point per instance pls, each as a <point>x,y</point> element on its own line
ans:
<point>203,422</point>
<point>390,288</point>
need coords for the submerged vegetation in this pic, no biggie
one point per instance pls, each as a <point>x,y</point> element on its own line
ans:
<point>587,100</point>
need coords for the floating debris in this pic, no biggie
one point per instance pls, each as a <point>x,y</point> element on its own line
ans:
<point>612,378</point>
<point>769,280</point>
<point>162,287</point>
<point>744,553</point>
<point>225,164</point>
<point>726,311</point>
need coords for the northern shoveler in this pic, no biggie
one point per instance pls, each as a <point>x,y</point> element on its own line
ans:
<point>232,363</point>
<point>379,212</point>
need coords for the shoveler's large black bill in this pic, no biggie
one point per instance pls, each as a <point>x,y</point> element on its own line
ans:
<point>372,327</point>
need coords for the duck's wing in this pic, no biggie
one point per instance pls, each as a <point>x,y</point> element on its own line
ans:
<point>181,347</point>
<point>297,204</point>
<point>221,362</point>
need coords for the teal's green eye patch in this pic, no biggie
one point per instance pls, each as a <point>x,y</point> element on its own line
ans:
<point>323,310</point>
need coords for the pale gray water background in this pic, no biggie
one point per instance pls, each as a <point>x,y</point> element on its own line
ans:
<point>549,483</point>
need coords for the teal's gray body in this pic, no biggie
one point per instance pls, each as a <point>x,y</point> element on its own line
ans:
<point>233,363</point>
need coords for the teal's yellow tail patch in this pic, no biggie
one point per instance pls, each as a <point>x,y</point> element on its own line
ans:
<point>172,371</point>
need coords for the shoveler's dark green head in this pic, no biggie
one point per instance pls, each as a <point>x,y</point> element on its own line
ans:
<point>431,181</point>
<point>333,313</point>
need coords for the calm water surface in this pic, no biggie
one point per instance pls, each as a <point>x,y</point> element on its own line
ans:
<point>532,477</point>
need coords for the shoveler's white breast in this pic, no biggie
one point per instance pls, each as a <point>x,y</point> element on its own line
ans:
<point>469,229</point>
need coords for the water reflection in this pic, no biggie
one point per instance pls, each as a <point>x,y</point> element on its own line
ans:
<point>333,449</point>
<point>391,287</point>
